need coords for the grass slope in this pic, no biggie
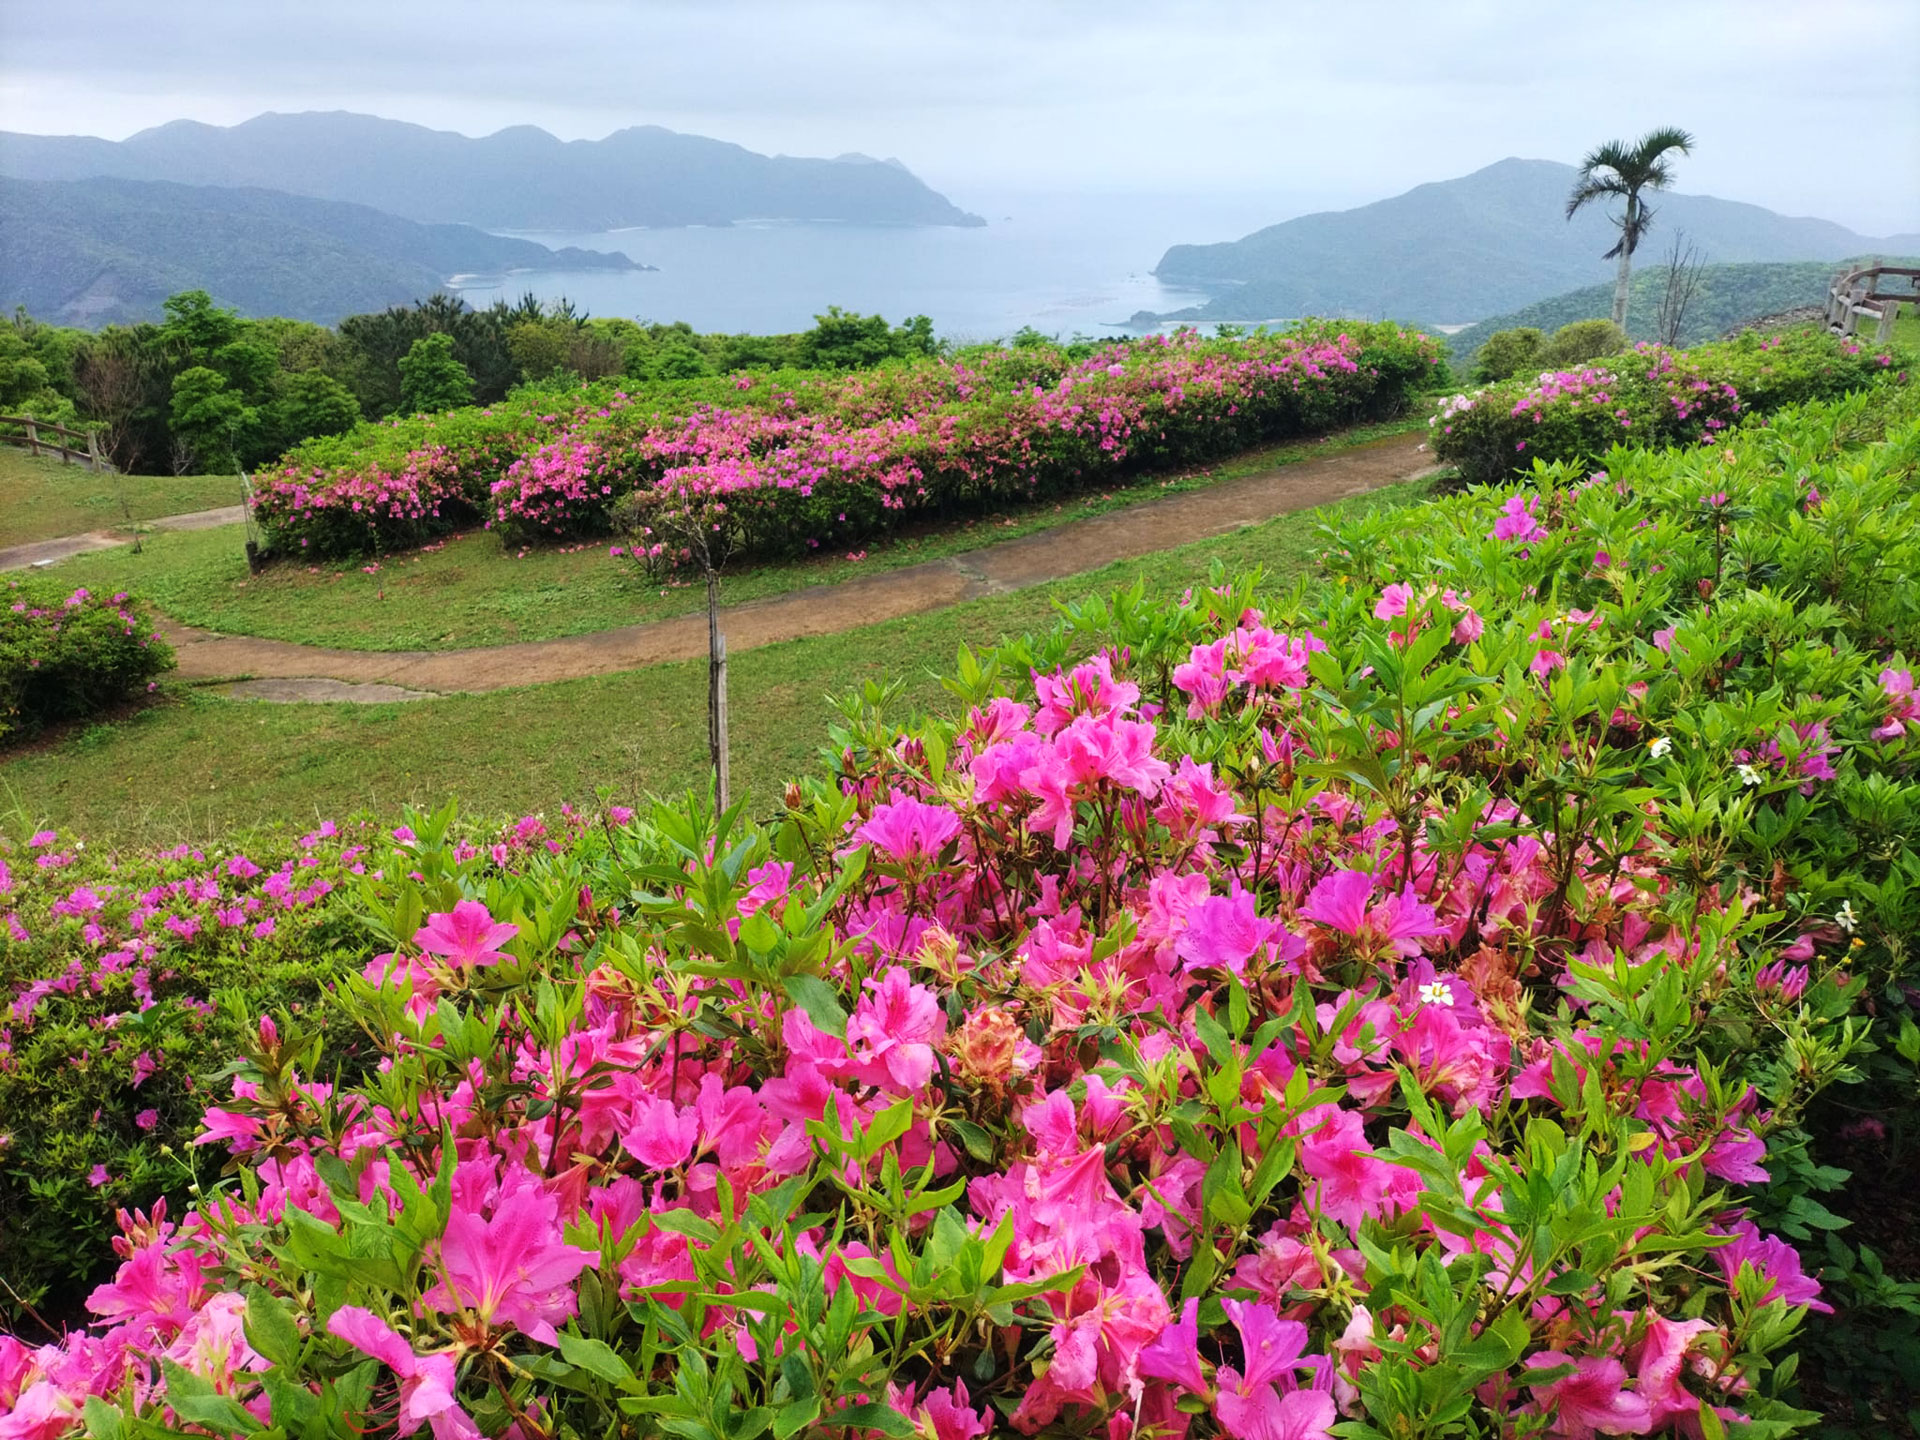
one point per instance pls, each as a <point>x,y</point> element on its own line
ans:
<point>469,591</point>
<point>197,766</point>
<point>41,499</point>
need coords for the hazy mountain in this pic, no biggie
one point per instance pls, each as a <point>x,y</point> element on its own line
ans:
<point>1484,244</point>
<point>94,252</point>
<point>1727,296</point>
<point>519,178</point>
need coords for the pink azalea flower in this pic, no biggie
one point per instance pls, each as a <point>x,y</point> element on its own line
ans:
<point>427,1382</point>
<point>1267,1414</point>
<point>513,1270</point>
<point>894,1028</point>
<point>1593,1400</point>
<point>1223,933</point>
<point>468,935</point>
<point>1175,1355</point>
<point>907,829</point>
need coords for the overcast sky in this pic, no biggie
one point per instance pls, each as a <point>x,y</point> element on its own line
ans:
<point>1805,106</point>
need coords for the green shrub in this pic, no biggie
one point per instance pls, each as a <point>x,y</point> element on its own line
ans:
<point>1580,342</point>
<point>1507,353</point>
<point>66,657</point>
<point>1645,398</point>
<point>129,981</point>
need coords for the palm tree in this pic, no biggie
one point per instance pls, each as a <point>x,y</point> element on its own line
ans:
<point>1617,168</point>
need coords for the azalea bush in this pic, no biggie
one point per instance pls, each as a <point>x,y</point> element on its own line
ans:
<point>1647,398</point>
<point>793,462</point>
<point>69,655</point>
<point>1391,1009</point>
<point>126,983</point>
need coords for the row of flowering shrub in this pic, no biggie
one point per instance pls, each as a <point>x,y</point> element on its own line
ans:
<point>791,461</point>
<point>1392,1009</point>
<point>1648,398</point>
<point>67,655</point>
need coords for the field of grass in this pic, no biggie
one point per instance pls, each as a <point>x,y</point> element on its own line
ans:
<point>41,498</point>
<point>196,766</point>
<point>470,591</point>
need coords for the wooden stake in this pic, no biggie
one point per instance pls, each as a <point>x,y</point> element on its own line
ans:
<point>717,749</point>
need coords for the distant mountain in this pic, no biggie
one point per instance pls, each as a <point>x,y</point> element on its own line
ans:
<point>96,252</point>
<point>518,179</point>
<point>1728,295</point>
<point>1484,244</point>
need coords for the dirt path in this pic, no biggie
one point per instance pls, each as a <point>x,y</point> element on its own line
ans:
<point>1069,549</point>
<point>45,552</point>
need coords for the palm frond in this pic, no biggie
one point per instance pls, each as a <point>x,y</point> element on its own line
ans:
<point>1591,188</point>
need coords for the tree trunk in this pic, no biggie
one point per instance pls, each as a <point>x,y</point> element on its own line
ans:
<point>1624,276</point>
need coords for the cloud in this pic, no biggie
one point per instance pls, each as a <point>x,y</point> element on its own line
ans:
<point>1314,104</point>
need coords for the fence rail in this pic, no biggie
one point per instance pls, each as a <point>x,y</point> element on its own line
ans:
<point>1855,295</point>
<point>87,453</point>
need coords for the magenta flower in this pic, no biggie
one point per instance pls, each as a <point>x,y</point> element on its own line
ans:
<point>1175,1355</point>
<point>513,1270</point>
<point>1340,901</point>
<point>468,935</point>
<point>1593,1400</point>
<point>427,1382</point>
<point>1772,1259</point>
<point>1518,522</point>
<point>1223,933</point>
<point>894,1028</point>
<point>907,829</point>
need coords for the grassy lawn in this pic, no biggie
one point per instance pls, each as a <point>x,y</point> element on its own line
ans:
<point>470,591</point>
<point>198,767</point>
<point>41,498</point>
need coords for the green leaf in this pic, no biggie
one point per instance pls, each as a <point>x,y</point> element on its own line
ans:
<point>270,1329</point>
<point>820,1000</point>
<point>103,1420</point>
<point>597,1357</point>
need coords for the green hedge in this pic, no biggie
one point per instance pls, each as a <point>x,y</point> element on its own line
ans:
<point>70,655</point>
<point>1644,399</point>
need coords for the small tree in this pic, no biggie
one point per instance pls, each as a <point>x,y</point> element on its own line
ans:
<point>1682,284</point>
<point>1626,171</point>
<point>209,416</point>
<point>1506,353</point>
<point>665,532</point>
<point>430,378</point>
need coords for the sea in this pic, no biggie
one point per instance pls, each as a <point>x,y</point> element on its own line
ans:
<point>1064,265</point>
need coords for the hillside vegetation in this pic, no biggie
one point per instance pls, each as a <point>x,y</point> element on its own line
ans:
<point>1463,249</point>
<point>101,251</point>
<point>1727,296</point>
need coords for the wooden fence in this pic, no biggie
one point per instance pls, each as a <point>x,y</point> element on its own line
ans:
<point>1855,295</point>
<point>26,431</point>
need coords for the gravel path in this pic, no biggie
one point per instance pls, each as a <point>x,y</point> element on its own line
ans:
<point>264,668</point>
<point>45,552</point>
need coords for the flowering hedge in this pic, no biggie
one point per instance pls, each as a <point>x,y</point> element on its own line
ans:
<point>1648,398</point>
<point>789,462</point>
<point>70,655</point>
<point>1399,1002</point>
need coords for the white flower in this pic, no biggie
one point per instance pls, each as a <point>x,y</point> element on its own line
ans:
<point>1435,992</point>
<point>1845,918</point>
<point>1748,775</point>
<point>1659,746</point>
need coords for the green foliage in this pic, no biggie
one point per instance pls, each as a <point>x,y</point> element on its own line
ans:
<point>1644,399</point>
<point>1580,341</point>
<point>69,656</point>
<point>1507,353</point>
<point>309,404</point>
<point>430,377</point>
<point>209,417</point>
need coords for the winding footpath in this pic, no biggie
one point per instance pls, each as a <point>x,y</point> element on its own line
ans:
<point>45,552</point>
<point>282,671</point>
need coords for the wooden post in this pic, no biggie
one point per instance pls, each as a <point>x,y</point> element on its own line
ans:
<point>717,748</point>
<point>33,437</point>
<point>1884,331</point>
<point>93,450</point>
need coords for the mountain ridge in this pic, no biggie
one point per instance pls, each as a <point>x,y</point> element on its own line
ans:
<point>1481,244</point>
<point>102,251</point>
<point>518,178</point>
